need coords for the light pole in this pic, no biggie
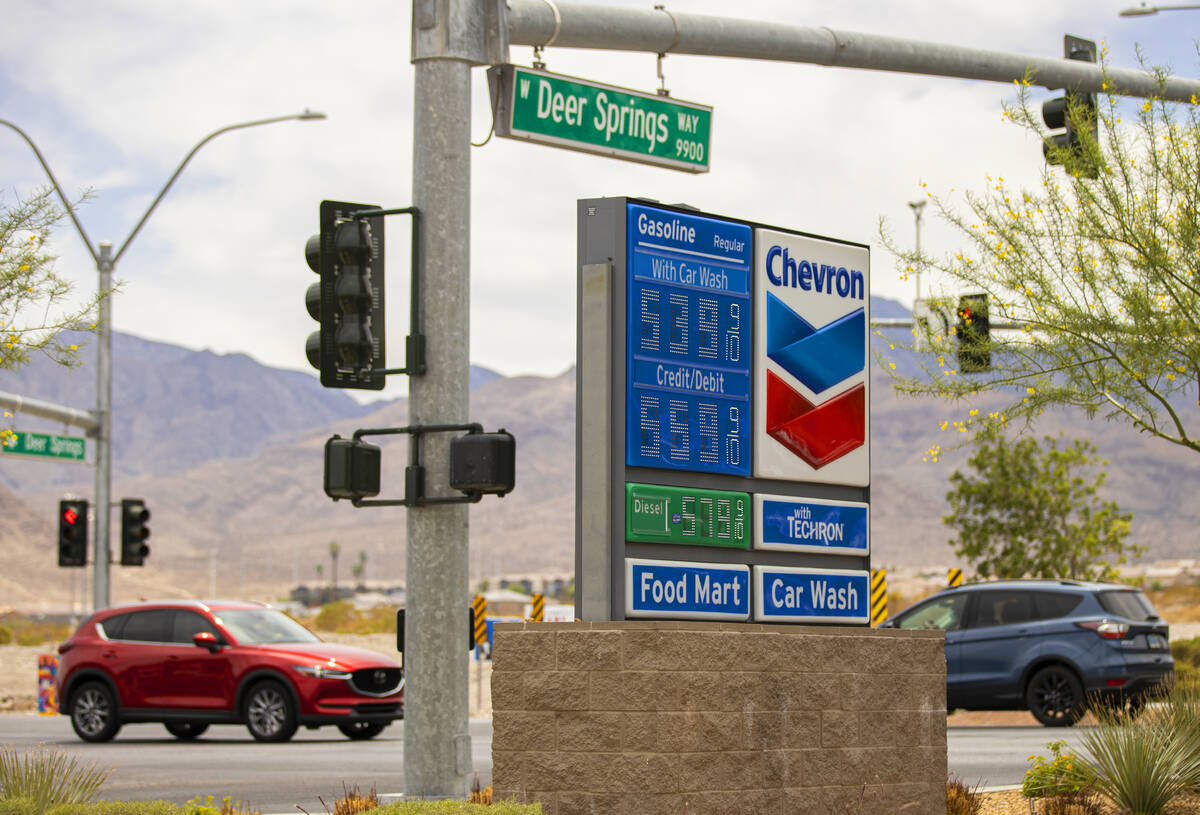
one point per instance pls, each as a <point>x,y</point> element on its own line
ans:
<point>916,207</point>
<point>1145,11</point>
<point>106,261</point>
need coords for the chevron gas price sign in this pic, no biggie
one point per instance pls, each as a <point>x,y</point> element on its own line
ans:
<point>688,339</point>
<point>723,463</point>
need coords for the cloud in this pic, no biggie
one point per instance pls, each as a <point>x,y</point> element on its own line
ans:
<point>116,93</point>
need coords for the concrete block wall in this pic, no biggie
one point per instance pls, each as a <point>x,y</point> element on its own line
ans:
<point>697,718</point>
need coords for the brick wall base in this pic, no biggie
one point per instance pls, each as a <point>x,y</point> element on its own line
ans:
<point>697,718</point>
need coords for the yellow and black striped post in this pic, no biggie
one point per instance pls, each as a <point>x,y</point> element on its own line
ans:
<point>879,611</point>
<point>479,604</point>
<point>954,577</point>
<point>539,608</point>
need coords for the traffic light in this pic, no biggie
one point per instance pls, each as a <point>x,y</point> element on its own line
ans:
<point>1070,113</point>
<point>72,533</point>
<point>134,531</point>
<point>973,330</point>
<point>349,348</point>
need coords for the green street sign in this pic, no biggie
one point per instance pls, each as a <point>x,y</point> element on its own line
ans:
<point>578,114</point>
<point>45,445</point>
<point>657,514</point>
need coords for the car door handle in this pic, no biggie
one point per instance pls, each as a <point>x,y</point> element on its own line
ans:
<point>110,654</point>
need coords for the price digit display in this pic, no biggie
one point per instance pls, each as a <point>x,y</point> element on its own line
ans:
<point>688,378</point>
<point>658,514</point>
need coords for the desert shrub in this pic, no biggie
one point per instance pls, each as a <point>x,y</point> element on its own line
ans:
<point>459,808</point>
<point>27,630</point>
<point>6,635</point>
<point>228,806</point>
<point>343,618</point>
<point>23,806</point>
<point>961,799</point>
<point>1187,660</point>
<point>1082,802</point>
<point>1048,777</point>
<point>46,776</point>
<point>354,801</point>
<point>1140,766</point>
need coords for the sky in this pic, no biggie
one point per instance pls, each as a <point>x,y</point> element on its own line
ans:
<point>116,93</point>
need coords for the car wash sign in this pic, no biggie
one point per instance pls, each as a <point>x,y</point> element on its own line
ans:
<point>722,419</point>
<point>578,114</point>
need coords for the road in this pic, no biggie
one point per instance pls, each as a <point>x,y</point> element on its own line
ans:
<point>275,778</point>
<point>148,763</point>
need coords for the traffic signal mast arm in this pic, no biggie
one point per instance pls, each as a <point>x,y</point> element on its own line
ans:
<point>582,25</point>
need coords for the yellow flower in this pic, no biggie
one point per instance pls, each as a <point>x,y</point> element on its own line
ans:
<point>892,365</point>
<point>974,412</point>
<point>1146,106</point>
<point>1031,391</point>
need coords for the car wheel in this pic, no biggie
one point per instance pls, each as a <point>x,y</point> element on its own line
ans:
<point>94,712</point>
<point>361,731</point>
<point>185,731</point>
<point>270,714</point>
<point>1055,696</point>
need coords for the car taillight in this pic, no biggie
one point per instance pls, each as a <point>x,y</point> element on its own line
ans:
<point>1106,629</point>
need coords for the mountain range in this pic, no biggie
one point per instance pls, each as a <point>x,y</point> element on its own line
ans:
<point>227,454</point>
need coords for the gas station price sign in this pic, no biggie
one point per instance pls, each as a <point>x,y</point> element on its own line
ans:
<point>688,342</point>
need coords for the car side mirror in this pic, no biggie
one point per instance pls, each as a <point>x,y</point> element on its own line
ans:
<point>206,640</point>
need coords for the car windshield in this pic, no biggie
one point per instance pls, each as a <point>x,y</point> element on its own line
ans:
<point>1132,605</point>
<point>258,626</point>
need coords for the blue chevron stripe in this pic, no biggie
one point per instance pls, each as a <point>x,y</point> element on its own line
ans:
<point>818,357</point>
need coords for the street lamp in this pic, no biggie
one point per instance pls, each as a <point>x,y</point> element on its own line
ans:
<point>916,207</point>
<point>106,261</point>
<point>1145,11</point>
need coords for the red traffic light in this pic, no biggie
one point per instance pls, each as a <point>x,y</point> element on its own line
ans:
<point>70,516</point>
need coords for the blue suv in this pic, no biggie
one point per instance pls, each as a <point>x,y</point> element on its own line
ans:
<point>1052,646</point>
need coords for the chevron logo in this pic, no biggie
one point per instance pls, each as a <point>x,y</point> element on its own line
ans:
<point>818,357</point>
<point>821,433</point>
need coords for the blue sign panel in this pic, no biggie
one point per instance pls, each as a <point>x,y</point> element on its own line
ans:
<point>789,524</point>
<point>687,400</point>
<point>686,591</point>
<point>811,595</point>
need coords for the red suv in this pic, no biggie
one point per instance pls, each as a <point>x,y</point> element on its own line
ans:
<point>190,664</point>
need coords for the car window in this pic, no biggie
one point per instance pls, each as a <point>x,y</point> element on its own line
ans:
<point>1132,605</point>
<point>1050,605</point>
<point>1002,607</point>
<point>188,624</point>
<point>257,626</point>
<point>113,625</point>
<point>944,613</point>
<point>148,626</point>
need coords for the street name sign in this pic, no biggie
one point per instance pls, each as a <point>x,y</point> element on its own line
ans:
<point>579,114</point>
<point>686,591</point>
<point>46,445</point>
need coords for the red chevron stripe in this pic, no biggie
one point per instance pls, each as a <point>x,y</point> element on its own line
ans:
<point>821,433</point>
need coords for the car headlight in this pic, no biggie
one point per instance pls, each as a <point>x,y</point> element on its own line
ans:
<point>322,671</point>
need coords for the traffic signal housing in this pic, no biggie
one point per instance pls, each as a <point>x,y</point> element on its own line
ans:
<point>1071,113</point>
<point>134,531</point>
<point>72,533</point>
<point>973,332</point>
<point>348,301</point>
